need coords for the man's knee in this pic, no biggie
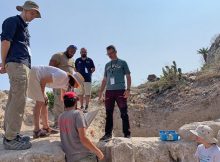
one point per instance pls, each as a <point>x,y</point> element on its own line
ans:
<point>124,115</point>
<point>39,104</point>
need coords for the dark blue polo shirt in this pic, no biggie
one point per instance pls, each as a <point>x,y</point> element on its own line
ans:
<point>15,30</point>
<point>84,68</point>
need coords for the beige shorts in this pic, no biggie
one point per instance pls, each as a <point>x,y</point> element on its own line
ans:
<point>34,88</point>
<point>85,90</point>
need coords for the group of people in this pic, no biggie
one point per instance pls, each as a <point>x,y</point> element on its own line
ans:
<point>65,76</point>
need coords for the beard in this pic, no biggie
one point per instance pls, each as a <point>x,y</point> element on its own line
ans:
<point>83,55</point>
<point>68,56</point>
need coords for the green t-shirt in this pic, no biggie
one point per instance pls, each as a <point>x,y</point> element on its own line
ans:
<point>115,72</point>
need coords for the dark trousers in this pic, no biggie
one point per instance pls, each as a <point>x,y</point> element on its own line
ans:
<point>112,96</point>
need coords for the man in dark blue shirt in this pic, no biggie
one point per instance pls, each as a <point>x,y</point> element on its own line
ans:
<point>85,66</point>
<point>16,61</point>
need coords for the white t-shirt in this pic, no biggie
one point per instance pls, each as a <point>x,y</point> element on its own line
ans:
<point>60,77</point>
<point>211,154</point>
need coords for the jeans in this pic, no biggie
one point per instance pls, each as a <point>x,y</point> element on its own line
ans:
<point>112,96</point>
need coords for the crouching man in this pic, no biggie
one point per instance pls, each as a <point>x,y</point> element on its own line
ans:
<point>72,124</point>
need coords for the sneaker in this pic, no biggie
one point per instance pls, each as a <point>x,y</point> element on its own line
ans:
<point>23,137</point>
<point>106,137</point>
<point>16,144</point>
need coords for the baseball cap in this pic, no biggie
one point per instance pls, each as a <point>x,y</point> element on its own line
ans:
<point>69,95</point>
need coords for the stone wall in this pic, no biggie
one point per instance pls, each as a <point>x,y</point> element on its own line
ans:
<point>117,150</point>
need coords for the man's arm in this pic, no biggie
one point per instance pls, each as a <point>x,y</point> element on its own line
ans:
<point>5,45</point>
<point>93,67</point>
<point>88,144</point>
<point>43,83</point>
<point>127,91</point>
<point>104,81</point>
<point>128,77</point>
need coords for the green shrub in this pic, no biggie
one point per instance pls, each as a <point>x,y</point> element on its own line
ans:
<point>50,96</point>
<point>170,78</point>
<point>95,88</point>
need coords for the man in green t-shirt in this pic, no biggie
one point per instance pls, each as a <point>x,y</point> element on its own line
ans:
<point>116,91</point>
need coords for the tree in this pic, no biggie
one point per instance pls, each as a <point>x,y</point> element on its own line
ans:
<point>204,52</point>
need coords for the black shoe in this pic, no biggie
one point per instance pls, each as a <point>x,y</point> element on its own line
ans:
<point>106,137</point>
<point>127,136</point>
<point>16,144</point>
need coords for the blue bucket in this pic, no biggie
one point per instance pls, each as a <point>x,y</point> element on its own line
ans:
<point>169,135</point>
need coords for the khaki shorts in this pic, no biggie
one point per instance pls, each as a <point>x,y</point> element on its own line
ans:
<point>85,90</point>
<point>34,88</point>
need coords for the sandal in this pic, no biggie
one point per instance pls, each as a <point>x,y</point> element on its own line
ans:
<point>51,130</point>
<point>40,133</point>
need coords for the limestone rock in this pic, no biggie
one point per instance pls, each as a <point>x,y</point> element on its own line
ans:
<point>214,51</point>
<point>147,149</point>
<point>43,150</point>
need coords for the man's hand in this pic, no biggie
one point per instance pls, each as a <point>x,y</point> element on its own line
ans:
<point>126,93</point>
<point>45,99</point>
<point>101,97</point>
<point>92,70</point>
<point>2,70</point>
<point>100,155</point>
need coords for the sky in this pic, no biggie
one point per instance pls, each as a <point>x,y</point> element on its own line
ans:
<point>148,34</point>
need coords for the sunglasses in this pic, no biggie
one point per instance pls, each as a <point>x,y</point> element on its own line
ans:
<point>109,53</point>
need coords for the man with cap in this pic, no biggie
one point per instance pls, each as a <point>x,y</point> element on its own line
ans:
<point>207,151</point>
<point>16,61</point>
<point>64,61</point>
<point>75,143</point>
<point>85,66</point>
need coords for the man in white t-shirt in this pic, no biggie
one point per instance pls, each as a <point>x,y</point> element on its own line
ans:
<point>207,151</point>
<point>51,77</point>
